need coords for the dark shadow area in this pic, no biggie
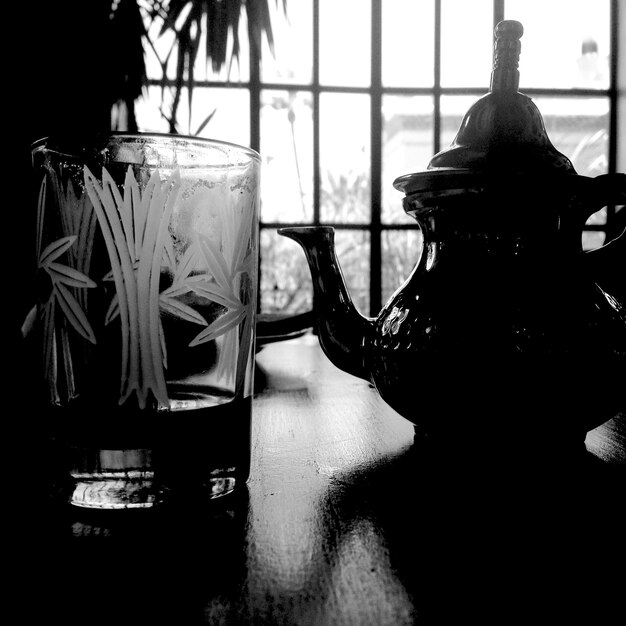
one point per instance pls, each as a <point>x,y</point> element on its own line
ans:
<point>181,566</point>
<point>528,537</point>
<point>59,67</point>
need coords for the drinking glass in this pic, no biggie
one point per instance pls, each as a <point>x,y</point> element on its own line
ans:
<point>144,325</point>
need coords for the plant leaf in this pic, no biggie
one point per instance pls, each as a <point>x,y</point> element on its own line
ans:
<point>207,119</point>
<point>55,249</point>
<point>183,311</point>
<point>163,344</point>
<point>74,314</point>
<point>219,327</point>
<point>68,276</point>
<point>41,205</point>
<point>113,310</point>
<point>186,265</point>
<point>49,350</point>
<point>215,261</point>
<point>29,322</point>
<point>247,266</point>
<point>214,292</point>
<point>176,290</point>
<point>241,242</point>
<point>218,20</point>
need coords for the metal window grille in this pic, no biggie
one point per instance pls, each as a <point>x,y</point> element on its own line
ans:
<point>375,227</point>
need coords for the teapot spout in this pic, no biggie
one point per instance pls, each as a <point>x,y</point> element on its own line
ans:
<point>341,328</point>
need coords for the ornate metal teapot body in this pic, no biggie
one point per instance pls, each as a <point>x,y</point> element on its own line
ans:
<point>502,321</point>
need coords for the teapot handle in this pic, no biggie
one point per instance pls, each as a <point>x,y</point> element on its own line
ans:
<point>607,264</point>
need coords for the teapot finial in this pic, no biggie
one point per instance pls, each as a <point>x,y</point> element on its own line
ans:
<point>505,75</point>
<point>503,131</point>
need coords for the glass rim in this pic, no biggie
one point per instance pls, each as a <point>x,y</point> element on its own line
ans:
<point>58,142</point>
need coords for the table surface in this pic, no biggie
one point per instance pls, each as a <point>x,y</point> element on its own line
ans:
<point>347,518</point>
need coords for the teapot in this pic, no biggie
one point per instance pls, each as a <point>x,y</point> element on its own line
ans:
<point>504,325</point>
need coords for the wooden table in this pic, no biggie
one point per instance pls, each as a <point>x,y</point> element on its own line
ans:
<point>347,519</point>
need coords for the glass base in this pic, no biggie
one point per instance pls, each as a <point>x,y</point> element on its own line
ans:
<point>138,490</point>
<point>140,462</point>
<point>115,490</point>
<point>141,478</point>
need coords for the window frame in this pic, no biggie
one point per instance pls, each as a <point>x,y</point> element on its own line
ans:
<point>376,92</point>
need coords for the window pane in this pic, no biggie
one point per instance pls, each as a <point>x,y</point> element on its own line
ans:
<point>287,152</point>
<point>598,218</point>
<point>407,147</point>
<point>593,239</point>
<point>408,29</point>
<point>401,250</point>
<point>148,110</point>
<point>345,36</point>
<point>466,43</point>
<point>353,253</point>
<point>228,110</point>
<point>285,277</point>
<point>566,43</point>
<point>345,157</point>
<point>453,110</point>
<point>286,280</point>
<point>292,59</point>
<point>579,128</point>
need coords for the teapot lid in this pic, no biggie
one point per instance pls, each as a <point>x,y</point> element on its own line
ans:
<point>502,133</point>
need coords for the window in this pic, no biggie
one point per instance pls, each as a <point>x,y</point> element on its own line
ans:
<point>359,92</point>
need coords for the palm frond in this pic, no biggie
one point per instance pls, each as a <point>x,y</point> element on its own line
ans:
<point>219,21</point>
